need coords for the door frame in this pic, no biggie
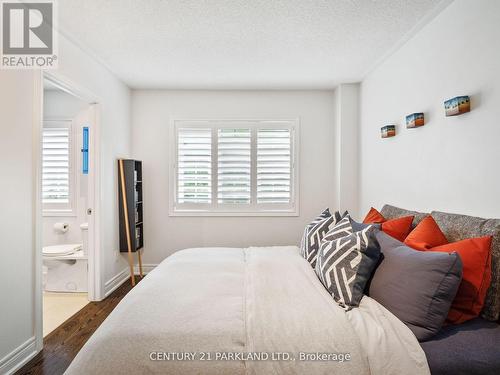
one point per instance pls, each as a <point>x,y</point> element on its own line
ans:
<point>95,261</point>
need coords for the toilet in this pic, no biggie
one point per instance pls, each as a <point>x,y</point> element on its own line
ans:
<point>65,266</point>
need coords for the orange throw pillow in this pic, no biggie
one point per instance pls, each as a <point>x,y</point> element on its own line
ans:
<point>426,235</point>
<point>476,261</point>
<point>397,228</point>
<point>373,217</point>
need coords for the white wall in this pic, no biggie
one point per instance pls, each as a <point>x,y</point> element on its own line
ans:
<point>347,147</point>
<point>17,227</point>
<point>114,99</point>
<point>59,105</point>
<point>151,115</point>
<point>451,163</point>
<point>17,272</point>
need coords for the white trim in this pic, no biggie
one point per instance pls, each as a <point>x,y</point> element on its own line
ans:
<point>124,275</point>
<point>187,213</point>
<point>442,5</point>
<point>96,269</point>
<point>96,286</point>
<point>117,280</point>
<point>59,213</point>
<point>37,208</point>
<point>146,268</point>
<point>18,357</point>
<point>96,272</point>
<point>253,209</point>
<point>70,87</point>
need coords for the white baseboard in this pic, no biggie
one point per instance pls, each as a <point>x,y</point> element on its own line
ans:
<point>18,357</point>
<point>115,282</point>
<point>146,268</point>
<point>123,275</point>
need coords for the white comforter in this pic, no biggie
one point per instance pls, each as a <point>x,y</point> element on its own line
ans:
<point>243,311</point>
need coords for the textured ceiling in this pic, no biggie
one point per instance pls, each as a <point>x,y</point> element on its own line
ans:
<point>240,43</point>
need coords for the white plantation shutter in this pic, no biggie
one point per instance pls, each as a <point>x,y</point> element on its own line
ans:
<point>56,165</point>
<point>274,165</point>
<point>194,165</point>
<point>233,165</point>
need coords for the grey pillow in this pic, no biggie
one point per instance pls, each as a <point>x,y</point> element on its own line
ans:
<point>356,227</point>
<point>345,265</point>
<point>418,287</point>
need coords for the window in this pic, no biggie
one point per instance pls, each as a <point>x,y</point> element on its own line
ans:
<point>57,168</point>
<point>235,168</point>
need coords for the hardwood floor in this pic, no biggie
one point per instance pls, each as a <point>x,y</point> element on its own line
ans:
<point>62,344</point>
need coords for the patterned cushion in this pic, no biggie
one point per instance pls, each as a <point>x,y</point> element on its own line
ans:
<point>341,229</point>
<point>345,265</point>
<point>392,212</point>
<point>314,233</point>
<point>459,227</point>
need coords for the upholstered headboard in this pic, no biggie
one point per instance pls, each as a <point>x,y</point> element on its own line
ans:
<point>458,227</point>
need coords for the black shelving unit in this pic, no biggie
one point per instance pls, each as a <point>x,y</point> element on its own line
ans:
<point>131,211</point>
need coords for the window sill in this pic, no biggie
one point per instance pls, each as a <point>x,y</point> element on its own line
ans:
<point>59,213</point>
<point>201,213</point>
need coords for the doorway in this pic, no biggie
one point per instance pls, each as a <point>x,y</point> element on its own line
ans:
<point>68,180</point>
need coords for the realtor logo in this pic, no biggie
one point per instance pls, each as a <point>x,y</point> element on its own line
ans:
<point>28,36</point>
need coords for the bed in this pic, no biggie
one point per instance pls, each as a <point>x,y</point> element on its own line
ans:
<point>471,348</point>
<point>264,311</point>
<point>254,300</point>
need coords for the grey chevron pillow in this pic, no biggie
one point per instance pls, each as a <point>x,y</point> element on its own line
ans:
<point>345,265</point>
<point>314,233</point>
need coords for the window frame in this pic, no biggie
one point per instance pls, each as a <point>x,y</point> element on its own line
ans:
<point>63,209</point>
<point>235,209</point>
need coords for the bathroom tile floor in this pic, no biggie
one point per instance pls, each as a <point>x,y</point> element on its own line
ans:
<point>58,307</point>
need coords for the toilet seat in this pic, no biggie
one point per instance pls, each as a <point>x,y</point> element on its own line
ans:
<point>60,250</point>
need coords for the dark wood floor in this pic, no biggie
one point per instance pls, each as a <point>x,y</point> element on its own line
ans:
<point>61,345</point>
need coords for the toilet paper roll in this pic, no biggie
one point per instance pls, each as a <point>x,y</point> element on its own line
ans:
<point>61,227</point>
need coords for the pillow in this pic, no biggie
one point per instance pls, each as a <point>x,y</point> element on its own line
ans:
<point>346,264</point>
<point>341,229</point>
<point>476,279</point>
<point>397,228</point>
<point>426,235</point>
<point>418,287</point>
<point>459,227</point>
<point>356,227</point>
<point>314,233</point>
<point>393,212</point>
<point>373,216</point>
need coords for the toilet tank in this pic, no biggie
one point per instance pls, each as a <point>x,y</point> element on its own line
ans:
<point>85,237</point>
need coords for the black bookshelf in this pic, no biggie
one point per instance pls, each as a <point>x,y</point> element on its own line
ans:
<point>131,211</point>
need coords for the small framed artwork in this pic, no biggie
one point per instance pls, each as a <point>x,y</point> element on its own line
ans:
<point>388,131</point>
<point>415,120</point>
<point>457,106</point>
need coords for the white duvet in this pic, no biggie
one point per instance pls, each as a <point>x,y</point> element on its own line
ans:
<point>245,311</point>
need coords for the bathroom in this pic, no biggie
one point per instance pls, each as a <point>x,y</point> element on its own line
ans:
<point>65,204</point>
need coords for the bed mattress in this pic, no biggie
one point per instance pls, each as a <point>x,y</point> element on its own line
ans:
<point>245,311</point>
